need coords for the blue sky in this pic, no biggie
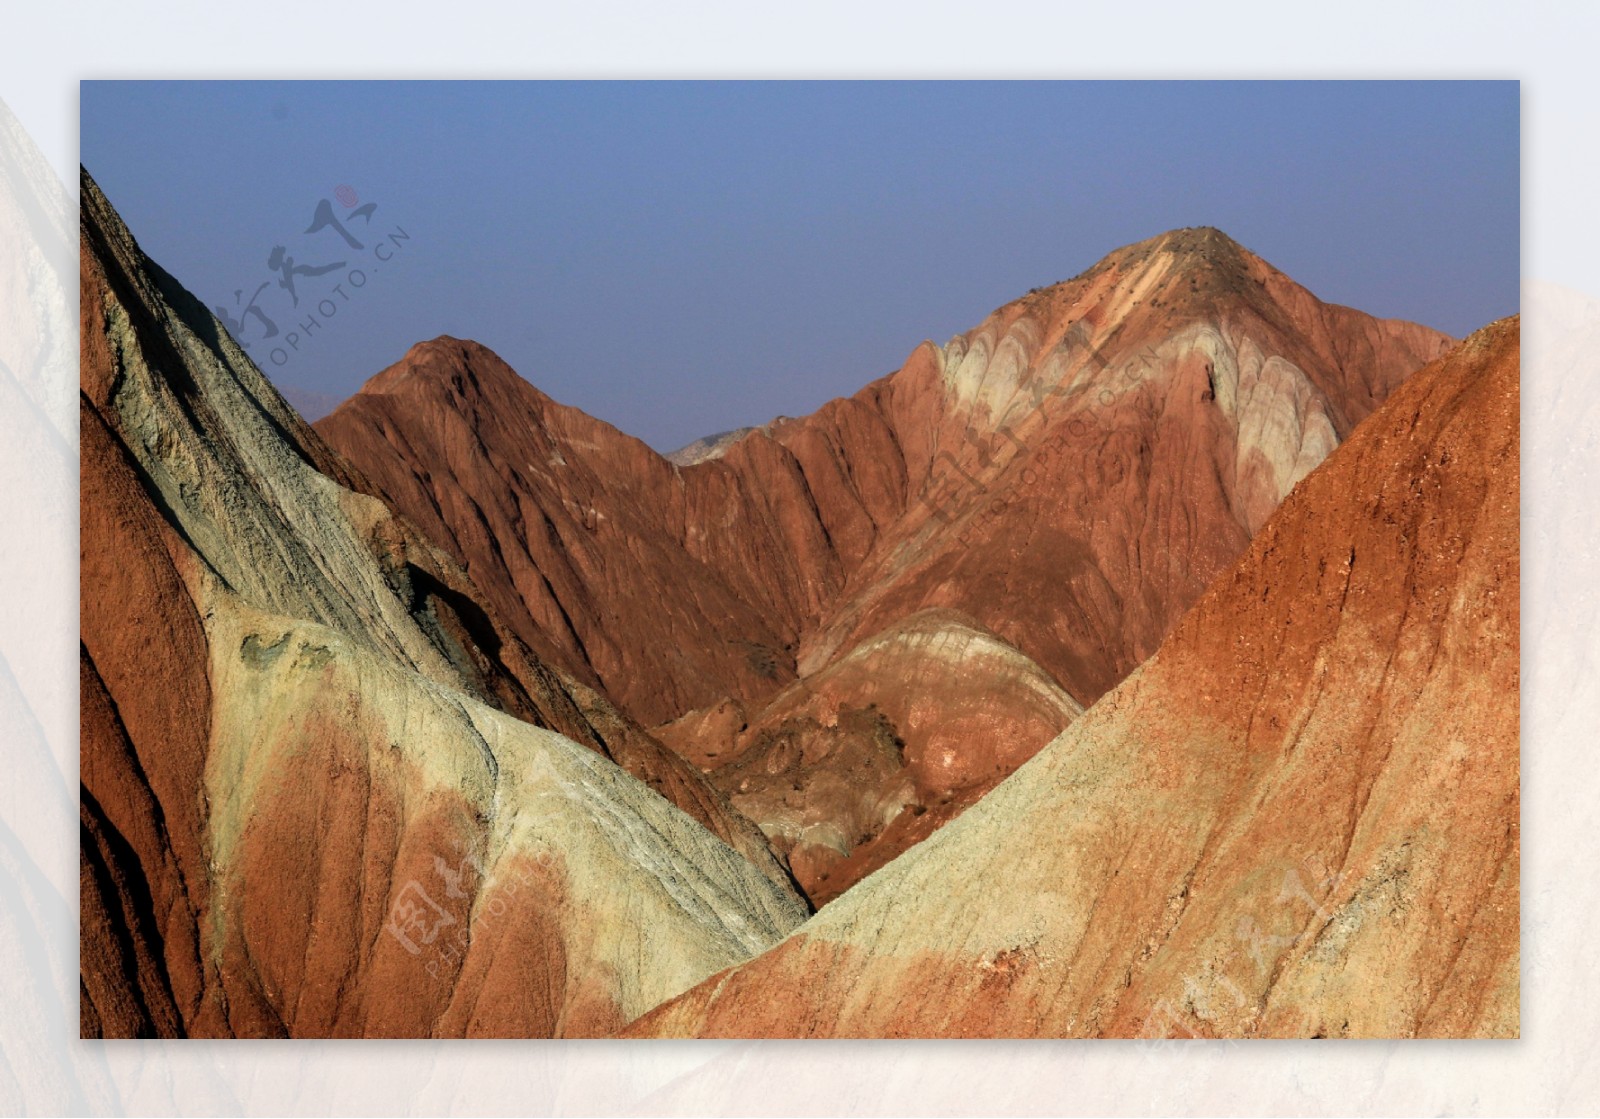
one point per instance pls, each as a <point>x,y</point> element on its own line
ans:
<point>682,258</point>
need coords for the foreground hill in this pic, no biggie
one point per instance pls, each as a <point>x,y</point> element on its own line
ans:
<point>324,790</point>
<point>1298,819</point>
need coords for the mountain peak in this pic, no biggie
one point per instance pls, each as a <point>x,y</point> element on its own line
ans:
<point>459,364</point>
<point>1203,257</point>
<point>1197,238</point>
<point>445,344</point>
<point>1192,248</point>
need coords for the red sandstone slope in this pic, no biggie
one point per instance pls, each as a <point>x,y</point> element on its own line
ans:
<point>301,732</point>
<point>1087,460</point>
<point>1298,819</point>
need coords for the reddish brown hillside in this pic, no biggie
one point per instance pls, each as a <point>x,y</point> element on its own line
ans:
<point>1299,819</point>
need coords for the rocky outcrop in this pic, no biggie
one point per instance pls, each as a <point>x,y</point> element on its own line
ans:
<point>1083,464</point>
<point>926,716</point>
<point>652,584</point>
<point>1298,819</point>
<point>709,447</point>
<point>325,791</point>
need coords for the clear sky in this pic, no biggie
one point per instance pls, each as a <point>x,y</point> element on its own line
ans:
<point>683,258</point>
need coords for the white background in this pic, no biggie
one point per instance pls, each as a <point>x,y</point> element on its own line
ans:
<point>45,50</point>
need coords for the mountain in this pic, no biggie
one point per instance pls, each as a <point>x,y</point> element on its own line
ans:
<point>1299,818</point>
<point>1067,477</point>
<point>464,714</point>
<point>1082,464</point>
<point>709,447</point>
<point>325,790</point>
<point>594,548</point>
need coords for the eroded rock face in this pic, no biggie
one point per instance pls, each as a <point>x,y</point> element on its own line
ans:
<point>928,715</point>
<point>643,580</point>
<point>515,883</point>
<point>309,757</point>
<point>1298,819</point>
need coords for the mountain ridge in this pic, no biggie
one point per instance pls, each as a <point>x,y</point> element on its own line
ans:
<point>1070,474</point>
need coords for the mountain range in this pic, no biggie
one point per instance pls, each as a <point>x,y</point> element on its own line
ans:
<point>1061,482</point>
<point>1143,658</point>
